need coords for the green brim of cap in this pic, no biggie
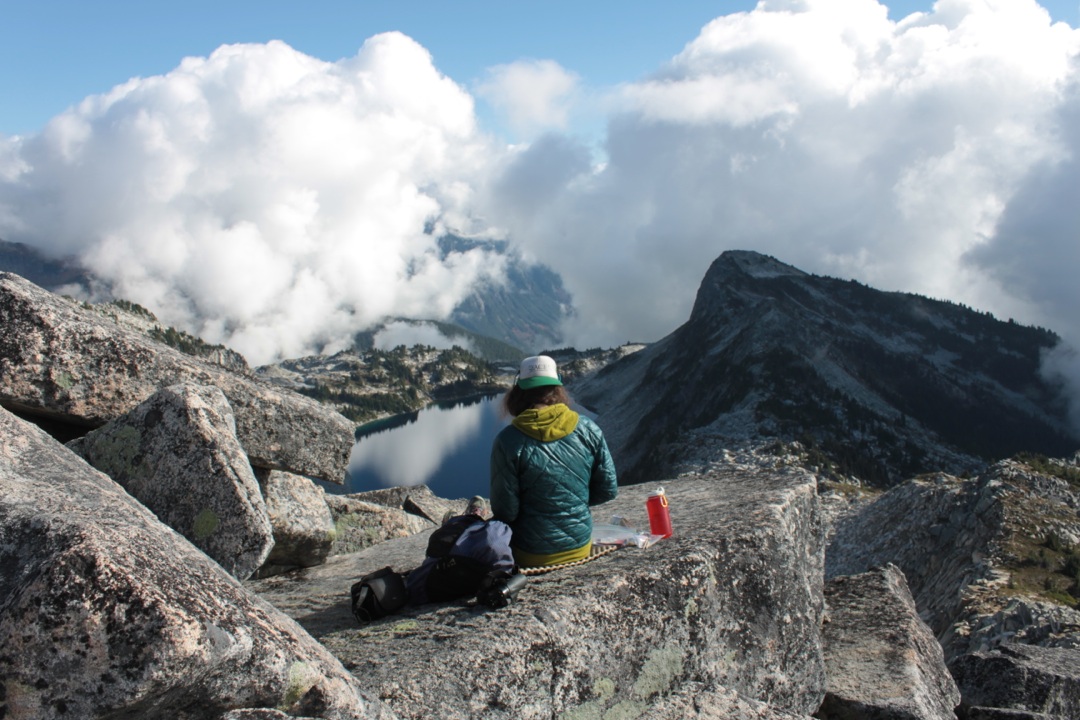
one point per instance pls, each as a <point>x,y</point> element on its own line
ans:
<point>535,382</point>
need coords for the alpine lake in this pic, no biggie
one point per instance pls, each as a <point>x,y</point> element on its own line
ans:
<point>445,446</point>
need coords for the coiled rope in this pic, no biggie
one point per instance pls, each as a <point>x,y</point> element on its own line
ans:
<point>595,552</point>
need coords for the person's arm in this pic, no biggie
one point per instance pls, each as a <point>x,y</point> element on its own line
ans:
<point>504,485</point>
<point>603,485</point>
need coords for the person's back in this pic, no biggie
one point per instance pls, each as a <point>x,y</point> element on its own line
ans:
<point>547,468</point>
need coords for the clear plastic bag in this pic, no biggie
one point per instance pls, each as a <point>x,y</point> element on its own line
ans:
<point>620,534</point>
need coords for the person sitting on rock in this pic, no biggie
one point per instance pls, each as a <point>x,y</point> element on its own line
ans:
<point>547,468</point>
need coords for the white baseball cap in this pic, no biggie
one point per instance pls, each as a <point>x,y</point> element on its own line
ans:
<point>537,371</point>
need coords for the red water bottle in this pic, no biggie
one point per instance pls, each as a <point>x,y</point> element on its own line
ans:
<point>659,517</point>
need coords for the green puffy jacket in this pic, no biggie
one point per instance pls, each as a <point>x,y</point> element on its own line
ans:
<point>547,468</point>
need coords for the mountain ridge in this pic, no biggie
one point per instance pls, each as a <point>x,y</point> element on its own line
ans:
<point>884,385</point>
<point>524,311</point>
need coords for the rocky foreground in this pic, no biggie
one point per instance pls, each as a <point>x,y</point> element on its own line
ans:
<point>725,615</point>
<point>160,567</point>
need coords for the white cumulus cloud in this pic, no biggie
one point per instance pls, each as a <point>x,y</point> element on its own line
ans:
<point>819,131</point>
<point>261,197</point>
<point>534,95</point>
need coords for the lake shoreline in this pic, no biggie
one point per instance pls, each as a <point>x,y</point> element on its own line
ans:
<point>390,422</point>
<point>445,446</point>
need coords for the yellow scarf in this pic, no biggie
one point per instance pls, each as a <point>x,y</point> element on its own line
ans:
<point>548,423</point>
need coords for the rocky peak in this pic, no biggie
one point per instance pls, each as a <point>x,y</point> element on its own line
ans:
<point>883,384</point>
<point>740,276</point>
<point>753,264</point>
<point>35,266</point>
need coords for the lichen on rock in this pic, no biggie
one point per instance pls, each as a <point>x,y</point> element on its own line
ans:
<point>178,454</point>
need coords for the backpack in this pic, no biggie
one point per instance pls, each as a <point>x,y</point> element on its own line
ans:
<point>378,594</point>
<point>460,555</point>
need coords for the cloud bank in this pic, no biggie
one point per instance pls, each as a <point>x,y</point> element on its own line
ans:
<point>278,203</point>
<point>935,155</point>
<point>534,95</point>
<point>261,197</point>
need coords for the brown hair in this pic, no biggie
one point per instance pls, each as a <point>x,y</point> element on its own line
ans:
<point>516,400</point>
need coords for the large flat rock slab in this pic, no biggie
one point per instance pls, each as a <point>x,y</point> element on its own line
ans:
<point>882,661</point>
<point>359,524</point>
<point>107,612</point>
<point>972,551</point>
<point>63,362</point>
<point>730,605</point>
<point>1043,681</point>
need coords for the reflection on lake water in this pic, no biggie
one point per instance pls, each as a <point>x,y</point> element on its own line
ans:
<point>447,448</point>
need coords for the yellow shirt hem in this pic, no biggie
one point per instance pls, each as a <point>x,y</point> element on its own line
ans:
<point>533,560</point>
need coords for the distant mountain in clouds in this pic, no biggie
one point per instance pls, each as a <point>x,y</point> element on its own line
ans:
<point>524,311</point>
<point>882,385</point>
<point>503,321</point>
<point>50,274</point>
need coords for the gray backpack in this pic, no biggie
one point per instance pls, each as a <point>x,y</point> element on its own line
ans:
<point>460,555</point>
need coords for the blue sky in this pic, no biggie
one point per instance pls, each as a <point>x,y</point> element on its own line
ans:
<point>263,174</point>
<point>53,53</point>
